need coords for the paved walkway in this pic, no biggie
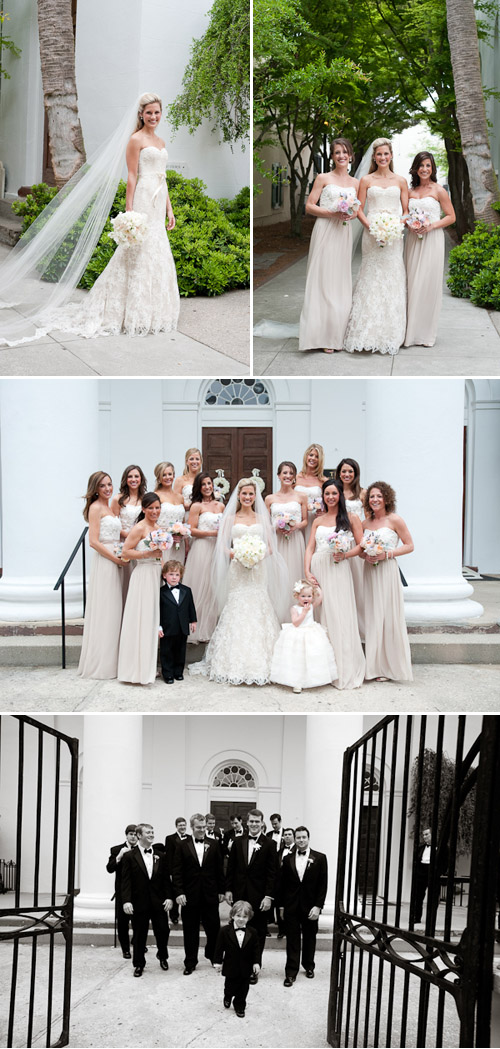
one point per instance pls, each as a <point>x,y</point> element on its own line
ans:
<point>468,341</point>
<point>213,337</point>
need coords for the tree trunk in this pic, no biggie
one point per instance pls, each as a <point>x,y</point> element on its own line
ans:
<point>471,111</point>
<point>57,56</point>
<point>458,182</point>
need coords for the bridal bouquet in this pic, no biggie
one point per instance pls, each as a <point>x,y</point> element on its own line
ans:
<point>385,227</point>
<point>347,204</point>
<point>339,542</point>
<point>283,523</point>
<point>315,506</point>
<point>178,530</point>
<point>159,539</point>
<point>373,545</point>
<point>418,219</point>
<point>129,228</point>
<point>249,550</point>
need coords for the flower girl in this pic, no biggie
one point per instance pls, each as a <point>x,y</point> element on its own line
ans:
<point>303,656</point>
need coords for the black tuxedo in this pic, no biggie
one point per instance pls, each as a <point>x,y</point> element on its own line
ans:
<point>421,877</point>
<point>237,962</point>
<point>229,837</point>
<point>147,895</point>
<point>171,843</point>
<point>175,617</point>
<point>122,919</point>
<point>298,897</point>
<point>201,885</point>
<point>252,881</point>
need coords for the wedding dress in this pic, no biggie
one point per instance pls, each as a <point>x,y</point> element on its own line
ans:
<point>378,316</point>
<point>424,271</point>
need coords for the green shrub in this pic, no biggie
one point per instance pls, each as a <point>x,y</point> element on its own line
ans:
<point>485,288</point>
<point>210,242</point>
<point>468,258</point>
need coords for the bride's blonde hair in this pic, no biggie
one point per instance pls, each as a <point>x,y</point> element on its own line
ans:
<point>146,100</point>
<point>375,145</point>
<point>246,482</point>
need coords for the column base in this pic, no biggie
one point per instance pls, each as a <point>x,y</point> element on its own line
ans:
<point>94,907</point>
<point>440,603</point>
<point>26,601</point>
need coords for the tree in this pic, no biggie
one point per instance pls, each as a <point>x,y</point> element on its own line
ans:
<point>471,112</point>
<point>57,55</point>
<point>445,788</point>
<point>216,83</point>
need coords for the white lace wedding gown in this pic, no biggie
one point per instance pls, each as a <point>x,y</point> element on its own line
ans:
<point>137,293</point>
<point>378,316</point>
<point>241,648</point>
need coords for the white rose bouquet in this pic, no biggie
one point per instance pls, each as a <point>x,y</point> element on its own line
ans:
<point>386,228</point>
<point>129,228</point>
<point>249,550</point>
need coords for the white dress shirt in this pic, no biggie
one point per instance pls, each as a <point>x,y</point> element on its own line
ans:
<point>148,859</point>
<point>301,862</point>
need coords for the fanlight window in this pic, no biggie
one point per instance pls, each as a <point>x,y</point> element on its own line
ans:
<point>371,780</point>
<point>237,391</point>
<point>234,776</point>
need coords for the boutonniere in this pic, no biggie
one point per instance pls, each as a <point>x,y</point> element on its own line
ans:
<point>206,846</point>
<point>310,861</point>
<point>257,847</point>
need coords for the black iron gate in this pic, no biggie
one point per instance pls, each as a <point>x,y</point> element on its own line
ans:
<point>411,966</point>
<point>38,783</point>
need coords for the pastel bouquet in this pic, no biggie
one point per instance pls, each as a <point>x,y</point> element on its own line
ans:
<point>418,219</point>
<point>385,228</point>
<point>283,523</point>
<point>249,550</point>
<point>347,204</point>
<point>119,553</point>
<point>178,530</point>
<point>315,506</point>
<point>159,539</point>
<point>373,545</point>
<point>339,542</point>
<point>129,228</point>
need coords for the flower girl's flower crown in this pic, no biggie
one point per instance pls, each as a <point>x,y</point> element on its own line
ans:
<point>301,585</point>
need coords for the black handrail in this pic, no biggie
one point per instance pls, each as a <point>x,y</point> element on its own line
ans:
<point>60,583</point>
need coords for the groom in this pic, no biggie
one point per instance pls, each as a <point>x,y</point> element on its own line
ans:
<point>251,875</point>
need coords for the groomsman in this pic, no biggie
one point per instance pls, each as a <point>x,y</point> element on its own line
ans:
<point>287,846</point>
<point>276,833</point>
<point>212,833</point>
<point>171,843</point>
<point>147,896</point>
<point>302,890</point>
<point>236,830</point>
<point>199,888</point>
<point>114,866</point>
<point>251,875</point>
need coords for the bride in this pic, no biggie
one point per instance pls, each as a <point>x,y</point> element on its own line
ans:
<point>378,315</point>
<point>137,292</point>
<point>249,599</point>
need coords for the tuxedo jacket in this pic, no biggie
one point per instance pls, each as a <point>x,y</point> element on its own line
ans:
<point>237,962</point>
<point>270,836</point>
<point>198,883</point>
<point>229,836</point>
<point>296,895</point>
<point>116,868</point>
<point>252,881</point>
<point>176,617</point>
<point>138,888</point>
<point>442,857</point>
<point>171,843</point>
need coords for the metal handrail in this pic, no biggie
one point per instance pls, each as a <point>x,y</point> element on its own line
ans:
<point>60,584</point>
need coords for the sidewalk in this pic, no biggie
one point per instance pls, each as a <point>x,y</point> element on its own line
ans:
<point>213,336</point>
<point>468,341</point>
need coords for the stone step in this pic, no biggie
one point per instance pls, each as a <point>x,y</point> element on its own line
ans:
<point>10,224</point>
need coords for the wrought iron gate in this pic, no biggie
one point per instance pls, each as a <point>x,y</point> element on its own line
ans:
<point>395,980</point>
<point>38,783</point>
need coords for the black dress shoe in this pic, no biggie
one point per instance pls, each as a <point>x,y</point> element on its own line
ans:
<point>254,978</point>
<point>179,677</point>
<point>126,954</point>
<point>280,936</point>
<point>188,971</point>
<point>310,974</point>
<point>289,981</point>
<point>163,964</point>
<point>175,921</point>
<point>168,680</point>
<point>239,1012</point>
<point>138,971</point>
<point>227,1003</point>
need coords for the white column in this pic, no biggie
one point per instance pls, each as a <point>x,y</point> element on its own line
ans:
<point>326,740</point>
<point>48,450</point>
<point>110,797</point>
<point>414,441</point>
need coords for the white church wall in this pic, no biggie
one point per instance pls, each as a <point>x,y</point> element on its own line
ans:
<point>483,470</point>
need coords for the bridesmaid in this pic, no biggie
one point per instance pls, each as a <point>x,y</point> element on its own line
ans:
<point>290,544</point>
<point>172,508</point>
<point>128,506</point>
<point>103,612</point>
<point>424,251</point>
<point>331,572</point>
<point>310,480</point>
<point>328,293</point>
<point>349,473</point>
<point>138,654</point>
<point>204,518</point>
<point>183,485</point>
<point>387,649</point>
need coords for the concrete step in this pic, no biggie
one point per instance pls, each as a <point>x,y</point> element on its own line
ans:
<point>41,650</point>
<point>10,224</point>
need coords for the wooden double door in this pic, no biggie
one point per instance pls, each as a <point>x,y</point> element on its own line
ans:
<point>238,450</point>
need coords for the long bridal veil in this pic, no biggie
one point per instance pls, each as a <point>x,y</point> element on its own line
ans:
<point>55,250</point>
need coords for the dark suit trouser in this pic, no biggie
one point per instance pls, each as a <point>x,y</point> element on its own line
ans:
<point>122,926</point>
<point>237,987</point>
<point>208,915</point>
<point>298,923</point>
<point>421,885</point>
<point>259,923</point>
<point>140,925</point>
<point>173,655</point>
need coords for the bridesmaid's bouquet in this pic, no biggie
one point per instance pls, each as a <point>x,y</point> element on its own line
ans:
<point>339,542</point>
<point>418,219</point>
<point>159,539</point>
<point>119,553</point>
<point>249,550</point>
<point>178,530</point>
<point>283,524</point>
<point>385,227</point>
<point>315,506</point>
<point>373,545</point>
<point>129,228</point>
<point>347,204</point>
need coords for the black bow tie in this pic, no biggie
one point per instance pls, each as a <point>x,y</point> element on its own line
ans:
<point>302,852</point>
<point>173,588</point>
<point>199,840</point>
<point>148,850</point>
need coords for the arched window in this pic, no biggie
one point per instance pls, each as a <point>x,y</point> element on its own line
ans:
<point>251,392</point>
<point>234,775</point>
